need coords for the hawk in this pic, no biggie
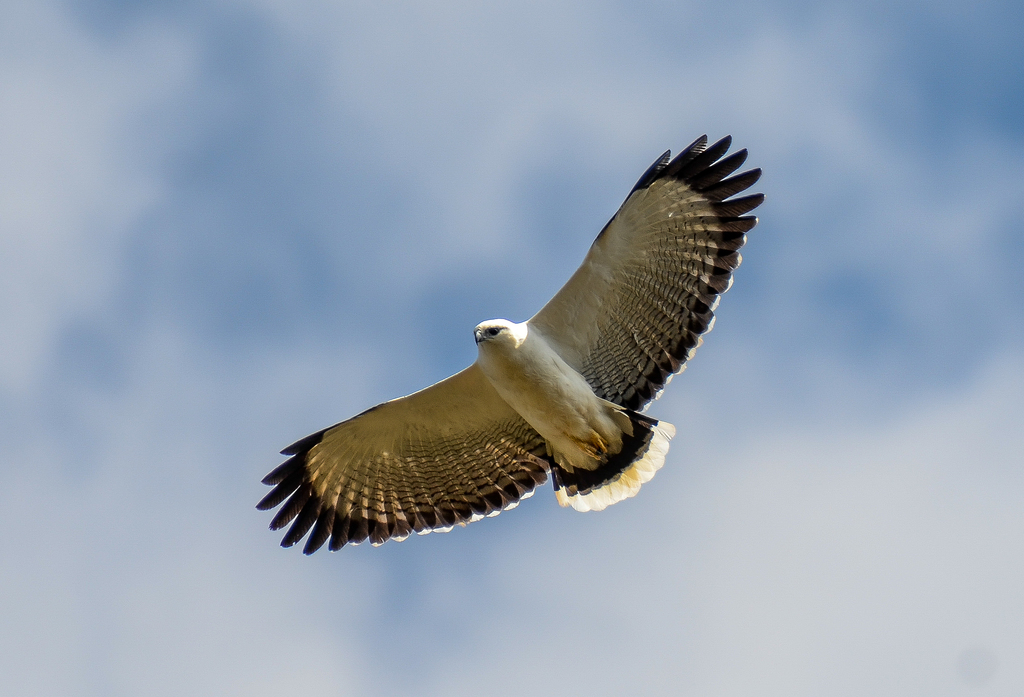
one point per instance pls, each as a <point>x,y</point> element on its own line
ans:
<point>560,394</point>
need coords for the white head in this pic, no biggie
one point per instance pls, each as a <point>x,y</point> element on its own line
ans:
<point>496,333</point>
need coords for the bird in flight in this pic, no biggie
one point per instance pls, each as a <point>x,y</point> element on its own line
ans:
<point>561,394</point>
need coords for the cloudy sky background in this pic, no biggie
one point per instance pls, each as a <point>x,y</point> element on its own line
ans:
<point>224,225</point>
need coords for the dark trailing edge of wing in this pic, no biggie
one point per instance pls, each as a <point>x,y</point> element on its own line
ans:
<point>653,172</point>
<point>379,521</point>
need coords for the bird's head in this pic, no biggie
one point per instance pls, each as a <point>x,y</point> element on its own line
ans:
<point>500,332</point>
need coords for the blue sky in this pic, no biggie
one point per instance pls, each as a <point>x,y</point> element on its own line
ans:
<point>225,225</point>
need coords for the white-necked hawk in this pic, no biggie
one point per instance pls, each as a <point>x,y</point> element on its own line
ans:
<point>558,394</point>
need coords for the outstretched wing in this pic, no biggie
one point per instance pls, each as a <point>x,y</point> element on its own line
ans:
<point>633,313</point>
<point>446,455</point>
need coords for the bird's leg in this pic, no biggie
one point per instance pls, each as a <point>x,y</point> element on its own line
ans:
<point>595,446</point>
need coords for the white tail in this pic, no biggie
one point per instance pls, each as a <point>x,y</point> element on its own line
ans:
<point>628,482</point>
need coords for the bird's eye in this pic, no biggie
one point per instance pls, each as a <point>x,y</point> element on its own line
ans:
<point>493,331</point>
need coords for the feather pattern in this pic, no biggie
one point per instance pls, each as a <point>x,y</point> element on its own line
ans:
<point>634,312</point>
<point>444,456</point>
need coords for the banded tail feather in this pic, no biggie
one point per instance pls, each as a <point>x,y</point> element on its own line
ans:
<point>622,474</point>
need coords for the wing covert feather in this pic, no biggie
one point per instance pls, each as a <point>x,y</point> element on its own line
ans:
<point>634,312</point>
<point>446,455</point>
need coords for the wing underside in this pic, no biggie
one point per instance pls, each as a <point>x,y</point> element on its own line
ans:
<point>444,456</point>
<point>635,310</point>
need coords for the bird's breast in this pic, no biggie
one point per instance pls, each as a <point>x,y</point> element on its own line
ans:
<point>535,381</point>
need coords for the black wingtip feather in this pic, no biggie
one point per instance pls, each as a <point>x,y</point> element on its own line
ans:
<point>737,206</point>
<point>282,491</point>
<point>686,156</point>
<point>339,533</point>
<point>304,445</point>
<point>743,223</point>
<point>703,160</point>
<point>653,172</point>
<point>733,185</point>
<point>293,507</point>
<point>279,473</point>
<point>691,151</point>
<point>381,532</point>
<point>358,529</point>
<point>719,171</point>
<point>307,516</point>
<point>700,167</point>
<point>321,531</point>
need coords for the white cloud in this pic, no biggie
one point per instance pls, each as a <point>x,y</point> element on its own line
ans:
<point>870,551</point>
<point>471,103</point>
<point>77,167</point>
<point>861,560</point>
<point>140,566</point>
<point>842,560</point>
